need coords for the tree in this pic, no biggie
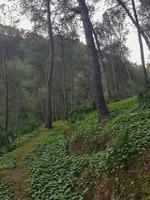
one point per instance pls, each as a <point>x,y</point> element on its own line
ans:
<point>102,63</point>
<point>141,45</point>
<point>137,25</point>
<point>50,68</point>
<point>41,15</point>
<point>96,74</point>
<point>6,112</point>
<point>145,15</point>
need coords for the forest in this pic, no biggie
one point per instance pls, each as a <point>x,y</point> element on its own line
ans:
<point>74,99</point>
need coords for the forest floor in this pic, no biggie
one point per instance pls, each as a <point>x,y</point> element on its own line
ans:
<point>83,160</point>
<point>20,174</point>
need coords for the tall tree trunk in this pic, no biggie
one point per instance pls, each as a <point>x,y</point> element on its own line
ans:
<point>17,113</point>
<point>103,64</point>
<point>141,45</point>
<point>127,70</point>
<point>65,98</point>
<point>42,105</point>
<point>114,75</point>
<point>6,95</point>
<point>50,68</point>
<point>129,77</point>
<point>96,72</point>
<point>137,25</point>
<point>72,87</point>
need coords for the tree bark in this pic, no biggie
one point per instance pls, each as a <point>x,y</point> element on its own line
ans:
<point>6,95</point>
<point>65,98</point>
<point>103,64</point>
<point>50,68</point>
<point>72,87</point>
<point>17,113</point>
<point>137,25</point>
<point>96,72</point>
<point>141,45</point>
<point>129,77</point>
<point>114,75</point>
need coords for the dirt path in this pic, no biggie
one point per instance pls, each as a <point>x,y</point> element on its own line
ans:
<point>20,175</point>
<point>19,178</point>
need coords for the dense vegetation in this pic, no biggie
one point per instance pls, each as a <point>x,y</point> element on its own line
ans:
<point>74,109</point>
<point>70,163</point>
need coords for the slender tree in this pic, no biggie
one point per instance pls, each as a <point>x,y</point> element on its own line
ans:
<point>103,64</point>
<point>141,44</point>
<point>65,98</point>
<point>50,68</point>
<point>137,25</point>
<point>96,73</point>
<point>6,94</point>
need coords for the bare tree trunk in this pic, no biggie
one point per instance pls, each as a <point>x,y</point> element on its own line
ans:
<point>50,68</point>
<point>96,72</point>
<point>103,64</point>
<point>72,87</point>
<point>129,77</point>
<point>6,95</point>
<point>127,70</point>
<point>53,107</point>
<point>64,78</point>
<point>42,105</point>
<point>141,45</point>
<point>137,25</point>
<point>17,113</point>
<point>56,113</point>
<point>114,75</point>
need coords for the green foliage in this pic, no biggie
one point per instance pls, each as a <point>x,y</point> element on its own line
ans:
<point>31,123</point>
<point>57,174</point>
<point>6,143</point>
<point>13,138</point>
<point>86,127</point>
<point>123,105</point>
<point>80,112</point>
<point>6,192</point>
<point>128,132</point>
<point>54,174</point>
<point>7,162</point>
<point>144,98</point>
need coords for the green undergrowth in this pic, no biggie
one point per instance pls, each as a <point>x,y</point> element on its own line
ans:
<point>144,98</point>
<point>123,136</point>
<point>15,158</point>
<point>58,172</point>
<point>9,142</point>
<point>6,192</point>
<point>7,162</point>
<point>55,175</point>
<point>78,160</point>
<point>119,145</point>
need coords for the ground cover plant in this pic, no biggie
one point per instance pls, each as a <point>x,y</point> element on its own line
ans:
<point>72,159</point>
<point>6,191</point>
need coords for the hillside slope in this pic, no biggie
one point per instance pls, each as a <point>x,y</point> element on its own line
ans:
<point>83,160</point>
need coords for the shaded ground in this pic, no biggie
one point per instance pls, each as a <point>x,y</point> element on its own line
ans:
<point>20,174</point>
<point>19,178</point>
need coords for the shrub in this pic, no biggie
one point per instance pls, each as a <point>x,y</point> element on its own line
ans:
<point>144,98</point>
<point>7,162</point>
<point>80,112</point>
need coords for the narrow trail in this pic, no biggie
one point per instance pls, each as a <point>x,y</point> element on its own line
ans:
<point>19,178</point>
<point>20,175</point>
